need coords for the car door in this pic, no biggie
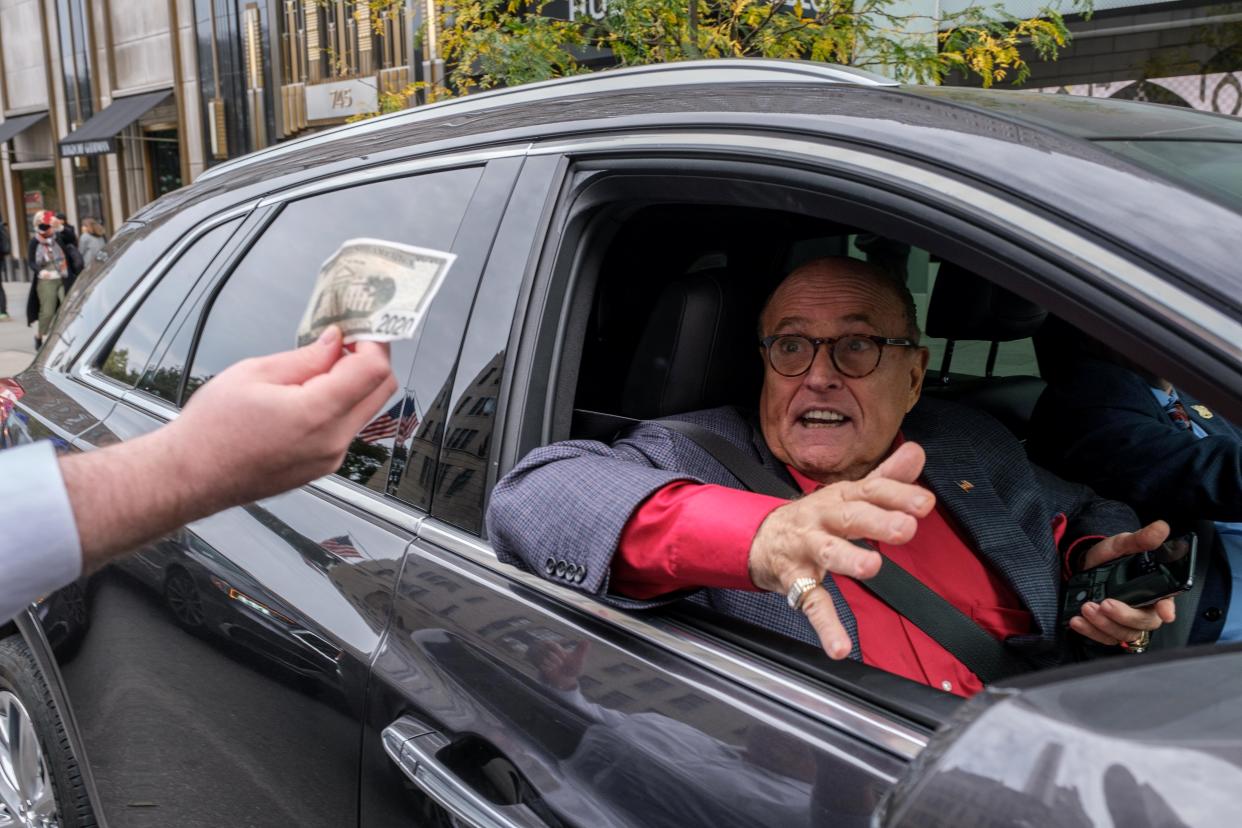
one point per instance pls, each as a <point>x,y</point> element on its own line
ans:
<point>509,700</point>
<point>505,700</point>
<point>226,666</point>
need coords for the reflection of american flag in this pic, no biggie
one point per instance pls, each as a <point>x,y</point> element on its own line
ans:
<point>390,424</point>
<point>342,547</point>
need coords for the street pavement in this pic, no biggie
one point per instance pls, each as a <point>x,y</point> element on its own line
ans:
<point>16,340</point>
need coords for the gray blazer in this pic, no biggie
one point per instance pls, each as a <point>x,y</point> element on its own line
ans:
<point>560,512</point>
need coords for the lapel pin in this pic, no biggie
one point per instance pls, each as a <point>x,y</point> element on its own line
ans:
<point>966,485</point>
<point>1202,411</point>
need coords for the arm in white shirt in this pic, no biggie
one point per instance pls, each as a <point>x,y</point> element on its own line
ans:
<point>301,408</point>
<point>39,549</point>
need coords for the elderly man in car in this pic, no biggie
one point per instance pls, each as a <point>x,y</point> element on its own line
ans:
<point>942,490</point>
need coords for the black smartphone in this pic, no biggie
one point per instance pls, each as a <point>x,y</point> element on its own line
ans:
<point>1138,580</point>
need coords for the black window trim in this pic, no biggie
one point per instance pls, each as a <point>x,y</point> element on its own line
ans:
<point>87,368</point>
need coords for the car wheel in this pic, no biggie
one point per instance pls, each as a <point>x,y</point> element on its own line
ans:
<point>183,599</point>
<point>40,782</point>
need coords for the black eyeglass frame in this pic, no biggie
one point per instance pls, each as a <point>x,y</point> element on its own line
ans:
<point>831,341</point>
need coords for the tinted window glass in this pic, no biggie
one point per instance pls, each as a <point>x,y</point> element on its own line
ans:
<point>132,349</point>
<point>163,377</point>
<point>260,305</point>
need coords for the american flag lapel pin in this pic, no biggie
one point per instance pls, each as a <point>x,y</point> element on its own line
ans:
<point>966,485</point>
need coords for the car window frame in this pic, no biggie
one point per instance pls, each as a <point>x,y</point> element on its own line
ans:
<point>1054,277</point>
<point>88,364</point>
<point>257,215</point>
<point>159,346</point>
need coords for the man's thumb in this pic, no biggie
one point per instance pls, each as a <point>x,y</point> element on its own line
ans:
<point>904,465</point>
<point>301,364</point>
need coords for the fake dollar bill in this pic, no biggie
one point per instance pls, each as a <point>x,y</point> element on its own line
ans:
<point>374,290</point>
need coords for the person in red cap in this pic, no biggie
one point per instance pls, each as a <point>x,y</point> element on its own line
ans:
<point>55,265</point>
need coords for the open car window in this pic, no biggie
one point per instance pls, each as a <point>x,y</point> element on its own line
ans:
<point>626,362</point>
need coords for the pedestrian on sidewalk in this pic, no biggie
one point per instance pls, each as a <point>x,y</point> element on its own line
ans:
<point>54,266</point>
<point>92,239</point>
<point>65,233</point>
<point>6,247</point>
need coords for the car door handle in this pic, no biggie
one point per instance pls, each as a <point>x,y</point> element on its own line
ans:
<point>414,746</point>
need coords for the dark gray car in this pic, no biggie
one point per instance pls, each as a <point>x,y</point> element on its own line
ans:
<point>352,653</point>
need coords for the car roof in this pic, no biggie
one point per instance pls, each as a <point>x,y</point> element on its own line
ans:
<point>1093,119</point>
<point>1072,116</point>
<point>1035,146</point>
<point>707,72</point>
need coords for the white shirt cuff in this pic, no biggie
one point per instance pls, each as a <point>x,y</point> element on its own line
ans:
<point>40,551</point>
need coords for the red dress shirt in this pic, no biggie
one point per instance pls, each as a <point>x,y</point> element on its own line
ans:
<point>690,535</point>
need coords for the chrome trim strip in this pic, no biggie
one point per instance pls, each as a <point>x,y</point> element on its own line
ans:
<point>1184,310</point>
<point>154,406</point>
<point>721,70</point>
<point>838,712</point>
<point>372,502</point>
<point>395,170</point>
<point>90,350</point>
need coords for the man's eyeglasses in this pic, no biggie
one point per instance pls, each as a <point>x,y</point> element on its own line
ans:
<point>43,228</point>
<point>855,355</point>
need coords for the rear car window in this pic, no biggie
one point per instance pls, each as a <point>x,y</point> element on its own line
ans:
<point>132,350</point>
<point>258,309</point>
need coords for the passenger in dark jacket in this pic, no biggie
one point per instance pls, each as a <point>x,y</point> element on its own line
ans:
<point>1135,438</point>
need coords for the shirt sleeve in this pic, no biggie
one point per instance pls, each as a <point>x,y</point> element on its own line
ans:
<point>40,550</point>
<point>689,536</point>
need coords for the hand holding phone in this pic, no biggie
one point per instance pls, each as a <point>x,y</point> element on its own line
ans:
<point>1139,580</point>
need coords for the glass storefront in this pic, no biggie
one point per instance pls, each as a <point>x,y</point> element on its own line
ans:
<point>87,188</point>
<point>38,192</point>
<point>234,70</point>
<point>164,160</point>
<point>79,102</point>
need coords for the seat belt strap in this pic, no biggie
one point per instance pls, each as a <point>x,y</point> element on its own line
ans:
<point>948,626</point>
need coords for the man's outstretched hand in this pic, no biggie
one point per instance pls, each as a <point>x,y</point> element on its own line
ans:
<point>263,426</point>
<point>272,423</point>
<point>1111,622</point>
<point>811,536</point>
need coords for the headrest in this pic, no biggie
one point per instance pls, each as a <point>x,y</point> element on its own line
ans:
<point>698,350</point>
<point>966,306</point>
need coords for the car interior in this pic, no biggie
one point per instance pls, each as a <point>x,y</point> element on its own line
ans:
<point>696,348</point>
<point>667,304</point>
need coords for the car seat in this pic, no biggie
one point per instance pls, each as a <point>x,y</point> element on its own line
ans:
<point>698,349</point>
<point>965,306</point>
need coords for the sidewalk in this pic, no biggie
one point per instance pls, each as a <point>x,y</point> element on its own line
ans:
<point>16,340</point>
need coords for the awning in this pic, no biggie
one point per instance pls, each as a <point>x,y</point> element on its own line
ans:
<point>16,124</point>
<point>98,135</point>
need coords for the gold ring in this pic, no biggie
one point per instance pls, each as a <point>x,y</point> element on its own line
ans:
<point>798,591</point>
<point>1139,644</point>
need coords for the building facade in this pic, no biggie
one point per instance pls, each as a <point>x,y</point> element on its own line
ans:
<point>106,105</point>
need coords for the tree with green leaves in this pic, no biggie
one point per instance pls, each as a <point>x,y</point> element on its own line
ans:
<point>493,43</point>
